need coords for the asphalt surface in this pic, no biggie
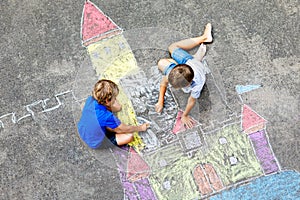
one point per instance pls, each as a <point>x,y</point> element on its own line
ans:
<point>42,60</point>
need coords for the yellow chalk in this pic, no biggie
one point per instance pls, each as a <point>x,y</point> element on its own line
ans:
<point>113,59</point>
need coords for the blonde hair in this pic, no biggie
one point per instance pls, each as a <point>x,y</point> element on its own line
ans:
<point>105,90</point>
<point>181,75</point>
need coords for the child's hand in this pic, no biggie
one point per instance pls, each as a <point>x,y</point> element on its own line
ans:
<point>187,121</point>
<point>144,126</point>
<point>158,107</point>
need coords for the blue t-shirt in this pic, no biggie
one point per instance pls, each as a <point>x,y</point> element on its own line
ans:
<point>93,122</point>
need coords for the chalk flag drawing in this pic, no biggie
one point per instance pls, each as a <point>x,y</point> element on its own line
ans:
<point>191,164</point>
<point>246,88</point>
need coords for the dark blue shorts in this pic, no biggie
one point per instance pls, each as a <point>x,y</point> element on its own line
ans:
<point>112,137</point>
<point>180,56</point>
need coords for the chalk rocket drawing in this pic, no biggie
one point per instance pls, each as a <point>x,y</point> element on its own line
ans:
<point>191,164</point>
<point>113,59</point>
<point>110,54</point>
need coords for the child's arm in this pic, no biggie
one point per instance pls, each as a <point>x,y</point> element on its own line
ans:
<point>123,128</point>
<point>186,120</point>
<point>162,91</point>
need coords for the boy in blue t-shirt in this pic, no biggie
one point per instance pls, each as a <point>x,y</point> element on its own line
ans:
<point>97,119</point>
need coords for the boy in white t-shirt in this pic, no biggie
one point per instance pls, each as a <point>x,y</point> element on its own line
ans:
<point>185,71</point>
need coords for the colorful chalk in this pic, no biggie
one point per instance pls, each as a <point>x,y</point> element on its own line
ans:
<point>246,88</point>
<point>227,156</point>
<point>263,152</point>
<point>179,126</point>
<point>111,56</point>
<point>251,121</point>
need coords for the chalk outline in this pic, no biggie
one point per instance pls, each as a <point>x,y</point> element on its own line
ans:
<point>32,113</point>
<point>100,35</point>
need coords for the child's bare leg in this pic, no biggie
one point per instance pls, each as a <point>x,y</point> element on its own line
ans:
<point>199,55</point>
<point>162,63</point>
<point>124,138</point>
<point>191,43</point>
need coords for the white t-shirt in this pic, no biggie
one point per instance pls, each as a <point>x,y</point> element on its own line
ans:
<point>199,79</point>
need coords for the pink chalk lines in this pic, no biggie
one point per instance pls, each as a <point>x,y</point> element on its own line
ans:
<point>167,170</point>
<point>255,127</point>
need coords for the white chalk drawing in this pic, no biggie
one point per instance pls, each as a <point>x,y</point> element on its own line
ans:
<point>30,107</point>
<point>143,92</point>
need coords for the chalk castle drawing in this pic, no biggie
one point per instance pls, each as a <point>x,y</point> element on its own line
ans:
<point>191,164</point>
<point>233,160</point>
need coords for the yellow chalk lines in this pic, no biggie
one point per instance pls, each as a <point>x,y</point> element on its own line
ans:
<point>127,115</point>
<point>113,59</point>
<point>112,55</point>
<point>228,151</point>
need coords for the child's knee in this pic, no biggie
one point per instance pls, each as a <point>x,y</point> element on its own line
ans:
<point>161,62</point>
<point>124,138</point>
<point>131,137</point>
<point>172,47</point>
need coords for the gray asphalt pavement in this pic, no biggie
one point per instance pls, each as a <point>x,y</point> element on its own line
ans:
<point>44,71</point>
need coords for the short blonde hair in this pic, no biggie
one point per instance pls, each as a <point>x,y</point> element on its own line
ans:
<point>105,90</point>
<point>181,75</point>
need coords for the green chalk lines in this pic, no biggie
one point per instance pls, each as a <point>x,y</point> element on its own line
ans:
<point>229,154</point>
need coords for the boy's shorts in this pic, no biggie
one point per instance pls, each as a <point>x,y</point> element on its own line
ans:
<point>180,56</point>
<point>112,137</point>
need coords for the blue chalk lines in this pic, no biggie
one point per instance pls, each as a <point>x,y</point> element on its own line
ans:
<point>285,185</point>
<point>246,88</point>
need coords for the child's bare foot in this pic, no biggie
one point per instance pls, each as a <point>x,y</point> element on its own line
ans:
<point>207,33</point>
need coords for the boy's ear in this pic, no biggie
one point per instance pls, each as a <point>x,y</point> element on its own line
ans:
<point>107,102</point>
